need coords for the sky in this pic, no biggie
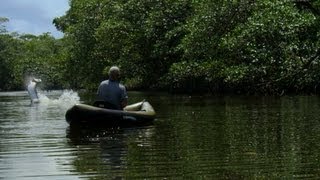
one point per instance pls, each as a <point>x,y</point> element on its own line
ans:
<point>33,16</point>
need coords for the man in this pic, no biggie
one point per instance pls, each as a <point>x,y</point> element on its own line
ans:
<point>111,92</point>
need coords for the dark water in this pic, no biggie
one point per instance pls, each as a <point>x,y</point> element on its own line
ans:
<point>192,138</point>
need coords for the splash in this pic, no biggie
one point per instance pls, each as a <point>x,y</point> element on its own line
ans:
<point>67,99</point>
<point>69,96</point>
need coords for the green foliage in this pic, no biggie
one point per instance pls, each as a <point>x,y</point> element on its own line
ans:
<point>190,45</point>
<point>211,21</point>
<point>42,58</point>
<point>275,45</point>
<point>137,35</point>
<point>2,27</point>
<point>194,76</point>
<point>24,56</point>
<point>9,51</point>
<point>264,46</point>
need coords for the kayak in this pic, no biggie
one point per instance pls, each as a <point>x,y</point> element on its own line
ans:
<point>135,114</point>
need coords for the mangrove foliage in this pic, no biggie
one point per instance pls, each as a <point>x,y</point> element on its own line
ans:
<point>242,46</point>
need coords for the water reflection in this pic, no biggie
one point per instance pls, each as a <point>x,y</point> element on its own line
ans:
<point>193,137</point>
<point>209,138</point>
<point>269,136</point>
<point>31,142</point>
<point>104,151</point>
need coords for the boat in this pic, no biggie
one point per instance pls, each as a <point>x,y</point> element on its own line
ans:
<point>139,113</point>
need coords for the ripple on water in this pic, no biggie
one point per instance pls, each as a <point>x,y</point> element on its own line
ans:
<point>192,138</point>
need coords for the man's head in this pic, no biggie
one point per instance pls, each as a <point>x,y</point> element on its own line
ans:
<point>114,73</point>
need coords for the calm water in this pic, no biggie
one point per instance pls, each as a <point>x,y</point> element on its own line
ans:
<point>192,138</point>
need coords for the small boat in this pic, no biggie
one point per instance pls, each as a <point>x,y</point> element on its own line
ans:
<point>135,114</point>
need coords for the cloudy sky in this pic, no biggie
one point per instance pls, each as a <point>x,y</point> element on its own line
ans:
<point>33,16</point>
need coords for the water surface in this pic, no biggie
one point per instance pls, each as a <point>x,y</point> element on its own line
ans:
<point>193,137</point>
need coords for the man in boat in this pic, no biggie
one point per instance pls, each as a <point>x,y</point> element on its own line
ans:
<point>111,93</point>
<point>32,90</point>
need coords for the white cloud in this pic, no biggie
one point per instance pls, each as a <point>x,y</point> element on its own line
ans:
<point>33,16</point>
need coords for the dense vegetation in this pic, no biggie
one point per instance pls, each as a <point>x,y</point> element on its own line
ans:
<point>25,56</point>
<point>246,46</point>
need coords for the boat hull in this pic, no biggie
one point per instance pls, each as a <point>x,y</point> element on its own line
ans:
<point>136,114</point>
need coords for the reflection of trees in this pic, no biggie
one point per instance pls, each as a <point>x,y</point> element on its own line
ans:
<point>186,144</point>
<point>102,152</point>
<point>233,138</point>
<point>269,136</point>
<point>209,138</point>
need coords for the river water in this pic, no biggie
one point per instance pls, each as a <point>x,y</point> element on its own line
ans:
<point>193,137</point>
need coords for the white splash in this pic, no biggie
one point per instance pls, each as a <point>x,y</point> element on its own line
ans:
<point>67,99</point>
<point>69,96</point>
